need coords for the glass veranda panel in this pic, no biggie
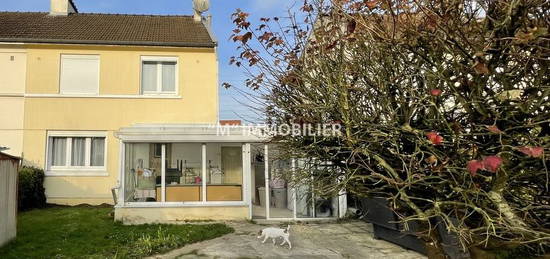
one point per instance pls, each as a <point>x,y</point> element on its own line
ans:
<point>281,196</point>
<point>258,180</point>
<point>224,172</point>
<point>281,193</point>
<point>308,203</point>
<point>142,168</point>
<point>183,172</point>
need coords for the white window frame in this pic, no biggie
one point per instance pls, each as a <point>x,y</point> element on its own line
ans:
<point>83,56</point>
<point>67,169</point>
<point>159,75</point>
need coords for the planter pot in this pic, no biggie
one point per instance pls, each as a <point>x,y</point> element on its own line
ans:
<point>450,242</point>
<point>378,212</point>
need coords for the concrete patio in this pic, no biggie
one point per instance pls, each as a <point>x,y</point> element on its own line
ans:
<point>352,239</point>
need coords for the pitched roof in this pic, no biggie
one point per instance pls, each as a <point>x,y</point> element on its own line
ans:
<point>73,5</point>
<point>104,29</point>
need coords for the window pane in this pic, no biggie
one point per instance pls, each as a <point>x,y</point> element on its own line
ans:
<point>169,76</point>
<point>59,149</point>
<point>142,173</point>
<point>97,154</point>
<point>183,172</point>
<point>224,172</point>
<point>149,76</point>
<point>78,152</point>
<point>79,74</point>
<point>158,150</point>
<point>280,194</point>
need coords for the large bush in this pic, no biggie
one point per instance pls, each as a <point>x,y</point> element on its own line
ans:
<point>31,189</point>
<point>444,107</point>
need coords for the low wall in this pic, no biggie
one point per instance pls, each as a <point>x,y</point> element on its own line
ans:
<point>131,216</point>
<point>80,201</point>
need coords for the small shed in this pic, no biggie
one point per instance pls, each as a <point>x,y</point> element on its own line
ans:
<point>9,166</point>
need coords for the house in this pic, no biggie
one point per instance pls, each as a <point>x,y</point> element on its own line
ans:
<point>127,102</point>
<point>8,197</point>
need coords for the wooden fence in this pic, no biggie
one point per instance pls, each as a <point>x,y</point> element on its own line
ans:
<point>9,166</point>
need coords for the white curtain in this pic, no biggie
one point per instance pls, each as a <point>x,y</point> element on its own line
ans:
<point>78,155</point>
<point>149,76</point>
<point>59,149</point>
<point>98,152</point>
<point>169,76</point>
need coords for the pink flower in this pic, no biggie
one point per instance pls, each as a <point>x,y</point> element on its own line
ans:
<point>436,92</point>
<point>434,138</point>
<point>473,166</point>
<point>532,151</point>
<point>492,163</point>
<point>525,150</point>
<point>537,151</point>
<point>494,129</point>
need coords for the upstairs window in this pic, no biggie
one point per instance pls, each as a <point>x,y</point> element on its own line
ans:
<point>79,74</point>
<point>159,75</point>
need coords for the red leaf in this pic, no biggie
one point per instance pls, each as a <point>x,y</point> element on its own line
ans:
<point>532,151</point>
<point>436,92</point>
<point>492,163</point>
<point>351,26</point>
<point>247,36</point>
<point>525,150</point>
<point>266,36</point>
<point>481,68</point>
<point>537,151</point>
<point>307,8</point>
<point>243,15</point>
<point>371,4</point>
<point>434,138</point>
<point>473,166</point>
<point>494,129</point>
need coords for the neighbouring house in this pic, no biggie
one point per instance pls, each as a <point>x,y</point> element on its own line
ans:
<point>9,166</point>
<point>127,103</point>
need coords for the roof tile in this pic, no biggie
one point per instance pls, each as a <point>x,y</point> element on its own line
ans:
<point>111,29</point>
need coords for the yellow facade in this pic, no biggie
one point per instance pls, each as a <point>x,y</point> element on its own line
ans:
<point>119,104</point>
<point>13,60</point>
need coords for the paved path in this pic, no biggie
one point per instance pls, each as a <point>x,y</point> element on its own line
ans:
<point>314,240</point>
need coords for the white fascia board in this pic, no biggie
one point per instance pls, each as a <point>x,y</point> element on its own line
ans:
<point>187,133</point>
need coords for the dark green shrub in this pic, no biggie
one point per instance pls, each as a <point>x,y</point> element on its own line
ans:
<point>31,189</point>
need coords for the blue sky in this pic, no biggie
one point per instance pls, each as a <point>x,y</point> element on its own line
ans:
<point>231,106</point>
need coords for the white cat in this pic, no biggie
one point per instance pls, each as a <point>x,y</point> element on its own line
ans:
<point>275,233</point>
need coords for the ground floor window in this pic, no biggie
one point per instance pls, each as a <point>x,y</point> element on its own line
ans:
<point>76,152</point>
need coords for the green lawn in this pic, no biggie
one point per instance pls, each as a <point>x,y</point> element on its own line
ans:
<point>86,232</point>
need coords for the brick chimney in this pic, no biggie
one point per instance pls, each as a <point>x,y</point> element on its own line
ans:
<point>62,7</point>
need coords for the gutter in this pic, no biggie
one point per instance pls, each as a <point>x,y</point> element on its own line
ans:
<point>101,42</point>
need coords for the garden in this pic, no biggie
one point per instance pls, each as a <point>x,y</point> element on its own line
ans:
<point>46,231</point>
<point>77,232</point>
